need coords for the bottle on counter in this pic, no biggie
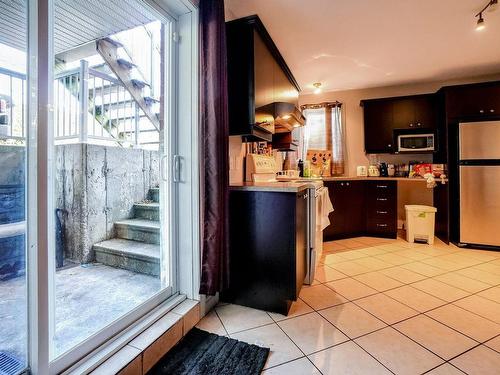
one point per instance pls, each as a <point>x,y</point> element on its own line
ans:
<point>307,168</point>
<point>301,168</point>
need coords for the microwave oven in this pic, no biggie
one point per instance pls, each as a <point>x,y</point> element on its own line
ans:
<point>415,143</point>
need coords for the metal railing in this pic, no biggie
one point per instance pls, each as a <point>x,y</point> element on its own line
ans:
<point>89,107</point>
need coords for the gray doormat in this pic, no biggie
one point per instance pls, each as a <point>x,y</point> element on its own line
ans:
<point>204,353</point>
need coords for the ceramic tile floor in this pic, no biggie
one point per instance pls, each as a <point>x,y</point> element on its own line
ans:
<point>380,307</point>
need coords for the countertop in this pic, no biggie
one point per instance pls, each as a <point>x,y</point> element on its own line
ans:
<point>298,186</point>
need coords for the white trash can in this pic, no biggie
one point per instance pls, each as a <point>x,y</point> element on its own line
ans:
<point>420,223</point>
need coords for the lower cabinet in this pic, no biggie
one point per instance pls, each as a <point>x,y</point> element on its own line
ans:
<point>362,208</point>
<point>267,245</point>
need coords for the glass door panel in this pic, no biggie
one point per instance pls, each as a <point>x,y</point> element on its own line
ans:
<point>13,186</point>
<point>111,220</point>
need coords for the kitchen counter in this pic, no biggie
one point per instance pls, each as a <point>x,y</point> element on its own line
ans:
<point>379,179</point>
<point>283,187</point>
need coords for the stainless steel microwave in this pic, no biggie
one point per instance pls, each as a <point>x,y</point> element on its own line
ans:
<point>415,142</point>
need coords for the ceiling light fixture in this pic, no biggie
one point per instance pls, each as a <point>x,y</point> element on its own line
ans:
<point>317,89</point>
<point>480,25</point>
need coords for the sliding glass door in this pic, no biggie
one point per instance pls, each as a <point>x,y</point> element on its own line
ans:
<point>13,186</point>
<point>110,178</point>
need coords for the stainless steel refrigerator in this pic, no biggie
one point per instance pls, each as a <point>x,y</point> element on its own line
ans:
<point>479,169</point>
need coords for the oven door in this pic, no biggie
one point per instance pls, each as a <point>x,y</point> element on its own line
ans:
<point>415,142</point>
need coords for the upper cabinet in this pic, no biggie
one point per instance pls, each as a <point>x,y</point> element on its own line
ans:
<point>257,77</point>
<point>473,101</point>
<point>383,116</point>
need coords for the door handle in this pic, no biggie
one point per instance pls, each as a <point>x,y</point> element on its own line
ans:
<point>177,168</point>
<point>381,199</point>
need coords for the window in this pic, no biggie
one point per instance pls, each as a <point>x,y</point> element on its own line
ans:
<point>324,130</point>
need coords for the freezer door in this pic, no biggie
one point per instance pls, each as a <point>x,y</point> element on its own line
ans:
<point>480,140</point>
<point>480,205</point>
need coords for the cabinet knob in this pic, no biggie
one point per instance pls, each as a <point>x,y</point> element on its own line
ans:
<point>347,183</point>
<point>481,111</point>
<point>419,124</point>
<point>411,125</point>
<point>389,145</point>
<point>492,111</point>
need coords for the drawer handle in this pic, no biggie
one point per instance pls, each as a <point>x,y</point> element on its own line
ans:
<point>381,225</point>
<point>381,212</point>
<point>382,186</point>
<point>381,199</point>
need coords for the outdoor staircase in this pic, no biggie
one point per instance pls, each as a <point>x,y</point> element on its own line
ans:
<point>137,244</point>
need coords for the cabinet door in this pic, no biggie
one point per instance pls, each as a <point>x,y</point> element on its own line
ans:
<point>403,113</point>
<point>378,126</point>
<point>475,101</point>
<point>425,112</point>
<point>264,73</point>
<point>381,208</point>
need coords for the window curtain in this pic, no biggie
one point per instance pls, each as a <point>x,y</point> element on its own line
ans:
<point>214,179</point>
<point>324,130</point>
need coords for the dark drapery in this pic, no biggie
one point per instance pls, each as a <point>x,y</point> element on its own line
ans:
<point>214,142</point>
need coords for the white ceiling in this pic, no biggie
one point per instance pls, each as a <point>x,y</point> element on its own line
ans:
<point>352,44</point>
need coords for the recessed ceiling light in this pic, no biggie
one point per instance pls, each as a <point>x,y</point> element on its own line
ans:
<point>317,89</point>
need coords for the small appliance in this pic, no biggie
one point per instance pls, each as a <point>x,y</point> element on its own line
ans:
<point>415,142</point>
<point>361,171</point>
<point>260,168</point>
<point>391,170</point>
<point>383,170</point>
<point>373,171</point>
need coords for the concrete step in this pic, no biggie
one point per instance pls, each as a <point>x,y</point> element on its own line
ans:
<point>154,194</point>
<point>148,211</point>
<point>141,230</point>
<point>134,256</point>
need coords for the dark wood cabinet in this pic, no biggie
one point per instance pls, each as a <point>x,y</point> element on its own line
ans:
<point>381,208</point>
<point>267,244</point>
<point>378,126</point>
<point>473,101</point>
<point>383,116</point>
<point>348,218</point>
<point>257,76</point>
<point>362,208</point>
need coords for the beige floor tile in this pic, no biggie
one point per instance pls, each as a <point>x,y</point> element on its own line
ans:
<point>320,297</point>
<point>462,282</point>
<point>271,336</point>
<point>423,269</point>
<point>394,259</point>
<point>350,268</point>
<point>412,254</point>
<point>481,306</point>
<point>347,359</point>
<point>472,325</point>
<point>492,294</point>
<point>494,344</point>
<point>435,336</point>
<point>398,353</point>
<point>480,275</point>
<point>385,308</point>
<point>440,290</point>
<point>445,369</point>
<point>331,259</point>
<point>351,288</point>
<point>211,323</point>
<point>373,264</point>
<point>374,251</point>
<point>238,318</point>
<point>325,273</point>
<point>300,366</point>
<point>479,361</point>
<point>353,254</point>
<point>352,320</point>
<point>298,308</point>
<point>491,267</point>
<point>414,298</point>
<point>461,259</point>
<point>378,281</point>
<point>312,332</point>
<point>332,245</point>
<point>403,275</point>
<point>441,263</point>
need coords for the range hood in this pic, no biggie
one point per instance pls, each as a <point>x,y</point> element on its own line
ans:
<point>284,116</point>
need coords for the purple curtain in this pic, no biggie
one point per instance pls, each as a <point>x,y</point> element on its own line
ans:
<point>214,154</point>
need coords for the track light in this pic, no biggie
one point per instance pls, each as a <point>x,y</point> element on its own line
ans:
<point>491,6</point>
<point>317,89</point>
<point>480,23</point>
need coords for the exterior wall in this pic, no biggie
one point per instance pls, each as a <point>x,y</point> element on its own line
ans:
<point>96,186</point>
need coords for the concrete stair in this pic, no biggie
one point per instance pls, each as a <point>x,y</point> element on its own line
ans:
<point>137,244</point>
